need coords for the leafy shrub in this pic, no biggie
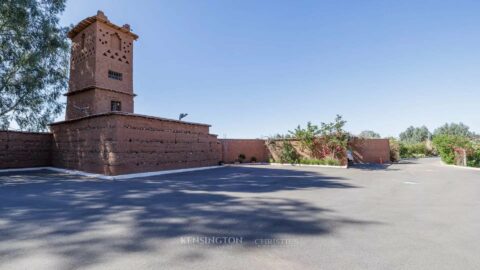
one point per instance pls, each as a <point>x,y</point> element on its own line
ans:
<point>473,159</point>
<point>335,137</point>
<point>253,159</point>
<point>288,153</point>
<point>473,155</point>
<point>445,145</point>
<point>332,161</point>
<point>312,161</point>
<point>241,158</point>
<point>414,150</point>
<point>323,161</point>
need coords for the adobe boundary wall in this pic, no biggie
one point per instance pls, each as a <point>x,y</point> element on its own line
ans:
<point>24,149</point>
<point>122,143</point>
<point>370,150</point>
<point>363,150</point>
<point>251,148</point>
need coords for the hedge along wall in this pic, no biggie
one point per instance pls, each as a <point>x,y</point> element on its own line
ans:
<point>275,148</point>
<point>122,143</point>
<point>24,149</point>
<point>232,148</point>
<point>370,150</point>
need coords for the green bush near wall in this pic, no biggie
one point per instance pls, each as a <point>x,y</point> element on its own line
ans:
<point>446,144</point>
<point>288,153</point>
<point>323,161</point>
<point>473,159</point>
<point>414,150</point>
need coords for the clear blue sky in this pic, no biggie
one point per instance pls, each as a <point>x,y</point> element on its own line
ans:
<point>256,68</point>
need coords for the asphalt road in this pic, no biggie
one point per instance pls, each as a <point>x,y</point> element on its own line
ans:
<point>414,215</point>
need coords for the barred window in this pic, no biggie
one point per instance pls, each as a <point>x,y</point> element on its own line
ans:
<point>116,106</point>
<point>115,75</point>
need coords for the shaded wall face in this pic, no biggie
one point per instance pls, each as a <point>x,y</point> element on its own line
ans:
<point>232,148</point>
<point>370,150</point>
<point>96,101</point>
<point>83,59</point>
<point>122,144</point>
<point>80,105</point>
<point>24,149</point>
<point>84,145</point>
<point>103,101</point>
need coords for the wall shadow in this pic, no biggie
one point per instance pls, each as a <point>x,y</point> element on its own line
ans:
<point>372,167</point>
<point>83,218</point>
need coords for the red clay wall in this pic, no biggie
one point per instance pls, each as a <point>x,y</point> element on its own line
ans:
<point>370,150</point>
<point>24,149</point>
<point>118,143</point>
<point>85,144</point>
<point>152,144</point>
<point>95,101</point>
<point>231,148</point>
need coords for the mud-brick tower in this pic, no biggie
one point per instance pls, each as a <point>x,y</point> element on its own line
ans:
<point>101,132</point>
<point>101,68</point>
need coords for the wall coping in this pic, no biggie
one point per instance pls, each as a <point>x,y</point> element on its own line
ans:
<point>368,139</point>
<point>25,132</point>
<point>128,114</point>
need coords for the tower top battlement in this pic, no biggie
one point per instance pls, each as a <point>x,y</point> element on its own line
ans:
<point>101,17</point>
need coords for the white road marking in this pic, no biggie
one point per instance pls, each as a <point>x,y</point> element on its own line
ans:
<point>410,183</point>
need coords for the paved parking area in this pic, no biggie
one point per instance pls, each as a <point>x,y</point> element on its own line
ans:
<point>414,215</point>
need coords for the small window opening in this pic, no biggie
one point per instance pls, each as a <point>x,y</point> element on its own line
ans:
<point>116,106</point>
<point>82,42</point>
<point>115,75</point>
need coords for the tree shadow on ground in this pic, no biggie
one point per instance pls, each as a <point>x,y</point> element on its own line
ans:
<point>83,218</point>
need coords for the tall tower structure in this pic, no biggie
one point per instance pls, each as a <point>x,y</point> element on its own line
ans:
<point>101,68</point>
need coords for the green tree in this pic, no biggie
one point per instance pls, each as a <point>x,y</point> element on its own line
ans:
<point>454,129</point>
<point>369,134</point>
<point>306,136</point>
<point>336,138</point>
<point>415,134</point>
<point>33,62</point>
